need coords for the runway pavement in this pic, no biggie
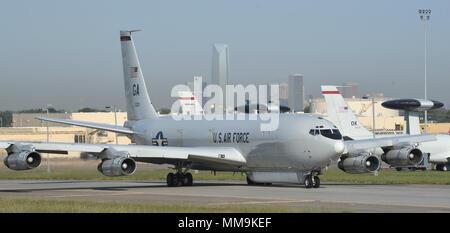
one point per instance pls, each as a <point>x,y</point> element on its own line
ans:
<point>329,197</point>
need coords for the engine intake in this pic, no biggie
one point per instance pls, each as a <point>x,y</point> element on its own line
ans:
<point>23,160</point>
<point>360,164</point>
<point>403,157</point>
<point>121,166</point>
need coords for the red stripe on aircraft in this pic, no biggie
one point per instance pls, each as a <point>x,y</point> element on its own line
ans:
<point>186,98</point>
<point>330,92</point>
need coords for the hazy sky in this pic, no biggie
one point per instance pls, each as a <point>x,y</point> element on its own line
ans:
<point>67,53</point>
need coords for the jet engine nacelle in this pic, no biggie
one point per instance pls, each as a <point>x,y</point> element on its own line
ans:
<point>121,166</point>
<point>23,160</point>
<point>360,164</point>
<point>403,157</point>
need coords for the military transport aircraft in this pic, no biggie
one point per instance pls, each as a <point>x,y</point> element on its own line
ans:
<point>344,118</point>
<point>296,152</point>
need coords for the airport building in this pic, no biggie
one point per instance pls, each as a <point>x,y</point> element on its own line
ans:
<point>27,128</point>
<point>386,120</point>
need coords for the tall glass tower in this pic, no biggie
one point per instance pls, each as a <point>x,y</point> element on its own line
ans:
<point>220,65</point>
<point>296,92</point>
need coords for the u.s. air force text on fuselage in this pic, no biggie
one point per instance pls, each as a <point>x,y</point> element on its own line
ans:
<point>230,137</point>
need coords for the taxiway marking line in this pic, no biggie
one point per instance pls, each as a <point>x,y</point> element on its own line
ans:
<point>260,202</point>
<point>386,204</point>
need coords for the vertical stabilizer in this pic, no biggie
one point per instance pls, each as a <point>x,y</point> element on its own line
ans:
<point>139,106</point>
<point>189,105</point>
<point>342,116</point>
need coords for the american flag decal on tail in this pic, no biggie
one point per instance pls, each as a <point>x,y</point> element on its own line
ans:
<point>133,72</point>
<point>343,109</point>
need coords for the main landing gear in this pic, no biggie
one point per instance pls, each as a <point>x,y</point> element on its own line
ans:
<point>312,181</point>
<point>442,167</point>
<point>180,178</point>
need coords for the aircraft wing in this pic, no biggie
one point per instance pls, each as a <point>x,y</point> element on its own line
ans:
<point>166,154</point>
<point>209,157</point>
<point>107,127</point>
<point>54,147</point>
<point>387,142</point>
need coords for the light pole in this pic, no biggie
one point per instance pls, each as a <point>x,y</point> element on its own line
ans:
<point>373,113</point>
<point>48,155</point>
<point>115,118</point>
<point>425,16</point>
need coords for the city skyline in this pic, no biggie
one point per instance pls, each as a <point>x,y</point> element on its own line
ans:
<point>68,55</point>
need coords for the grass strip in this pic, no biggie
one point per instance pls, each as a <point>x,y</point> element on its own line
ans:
<point>332,175</point>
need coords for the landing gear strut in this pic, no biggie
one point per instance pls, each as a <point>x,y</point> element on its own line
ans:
<point>180,178</point>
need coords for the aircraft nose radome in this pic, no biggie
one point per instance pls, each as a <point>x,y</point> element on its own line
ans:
<point>339,147</point>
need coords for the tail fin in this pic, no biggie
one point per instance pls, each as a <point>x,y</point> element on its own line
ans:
<point>139,106</point>
<point>189,105</point>
<point>342,116</point>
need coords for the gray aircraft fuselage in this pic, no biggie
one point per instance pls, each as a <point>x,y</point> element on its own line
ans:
<point>291,147</point>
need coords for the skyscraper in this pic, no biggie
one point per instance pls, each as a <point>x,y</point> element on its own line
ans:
<point>296,93</point>
<point>284,94</point>
<point>220,65</point>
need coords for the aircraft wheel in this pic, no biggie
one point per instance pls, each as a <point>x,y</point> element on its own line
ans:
<point>250,182</point>
<point>179,179</point>
<point>308,182</point>
<point>316,181</point>
<point>188,179</point>
<point>170,180</point>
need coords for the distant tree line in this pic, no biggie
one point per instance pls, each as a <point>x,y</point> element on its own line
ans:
<point>438,115</point>
<point>164,111</point>
<point>87,109</point>
<point>41,110</point>
<point>6,119</point>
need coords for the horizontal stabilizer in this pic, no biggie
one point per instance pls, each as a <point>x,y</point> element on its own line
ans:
<point>107,127</point>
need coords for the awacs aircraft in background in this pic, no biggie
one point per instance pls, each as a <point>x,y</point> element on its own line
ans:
<point>296,152</point>
<point>344,118</point>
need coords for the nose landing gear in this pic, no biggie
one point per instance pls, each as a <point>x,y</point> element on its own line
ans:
<point>312,181</point>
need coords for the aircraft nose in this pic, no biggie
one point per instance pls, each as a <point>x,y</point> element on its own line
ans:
<point>339,147</point>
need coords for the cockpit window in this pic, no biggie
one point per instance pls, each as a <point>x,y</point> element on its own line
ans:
<point>331,133</point>
<point>314,132</point>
